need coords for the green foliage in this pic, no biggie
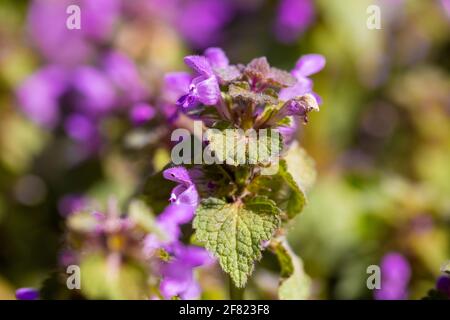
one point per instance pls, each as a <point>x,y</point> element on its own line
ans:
<point>295,283</point>
<point>236,147</point>
<point>105,278</point>
<point>234,232</point>
<point>288,186</point>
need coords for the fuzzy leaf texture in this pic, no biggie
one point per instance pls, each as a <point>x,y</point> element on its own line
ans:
<point>295,284</point>
<point>234,232</point>
<point>236,148</point>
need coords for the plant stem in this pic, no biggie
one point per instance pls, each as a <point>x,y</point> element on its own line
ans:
<point>235,292</point>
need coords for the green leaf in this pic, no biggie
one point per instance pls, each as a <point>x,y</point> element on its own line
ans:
<point>281,188</point>
<point>234,232</point>
<point>102,279</point>
<point>295,284</point>
<point>301,166</point>
<point>236,147</point>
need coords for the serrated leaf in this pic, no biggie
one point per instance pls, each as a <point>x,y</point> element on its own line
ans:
<point>295,284</point>
<point>247,95</point>
<point>236,147</point>
<point>234,232</point>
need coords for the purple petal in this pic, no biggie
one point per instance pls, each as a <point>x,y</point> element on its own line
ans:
<point>207,90</point>
<point>27,294</point>
<point>201,21</point>
<point>79,127</point>
<point>124,73</point>
<point>178,174</point>
<point>216,57</point>
<point>308,65</point>
<point>141,113</point>
<point>293,18</point>
<point>175,85</point>
<point>199,64</point>
<point>96,92</point>
<point>302,87</point>
<point>38,95</point>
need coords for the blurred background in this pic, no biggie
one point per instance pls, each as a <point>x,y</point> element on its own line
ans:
<point>72,103</point>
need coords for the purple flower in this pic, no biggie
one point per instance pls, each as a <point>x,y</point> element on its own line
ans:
<point>185,192</point>
<point>200,21</point>
<point>293,18</point>
<point>57,43</point>
<point>96,94</point>
<point>80,128</point>
<point>395,275</point>
<point>125,76</point>
<point>39,95</point>
<point>175,85</point>
<point>307,65</point>
<point>141,113</point>
<point>216,57</point>
<point>204,87</point>
<point>177,274</point>
<point>27,294</point>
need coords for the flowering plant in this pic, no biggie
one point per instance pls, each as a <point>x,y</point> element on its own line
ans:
<point>238,209</point>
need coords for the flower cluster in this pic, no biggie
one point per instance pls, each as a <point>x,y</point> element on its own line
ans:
<point>237,210</point>
<point>120,241</point>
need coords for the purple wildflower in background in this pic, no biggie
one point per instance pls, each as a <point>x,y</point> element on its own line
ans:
<point>141,113</point>
<point>49,33</point>
<point>178,274</point>
<point>306,66</point>
<point>27,294</point>
<point>200,21</point>
<point>293,18</point>
<point>185,192</point>
<point>38,96</point>
<point>395,275</point>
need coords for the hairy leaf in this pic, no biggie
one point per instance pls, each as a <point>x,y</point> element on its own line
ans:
<point>234,232</point>
<point>248,95</point>
<point>236,147</point>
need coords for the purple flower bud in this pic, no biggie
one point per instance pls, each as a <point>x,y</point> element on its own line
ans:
<point>27,294</point>
<point>141,113</point>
